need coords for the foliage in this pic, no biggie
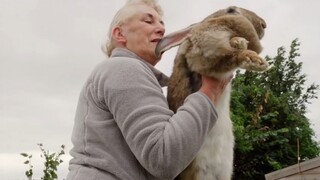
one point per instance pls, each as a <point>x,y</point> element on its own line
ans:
<point>51,163</point>
<point>268,111</point>
<point>29,172</point>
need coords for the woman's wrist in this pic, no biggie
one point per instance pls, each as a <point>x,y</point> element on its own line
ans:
<point>210,93</point>
<point>213,87</point>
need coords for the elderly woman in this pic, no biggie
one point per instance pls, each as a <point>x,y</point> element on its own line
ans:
<point>123,127</point>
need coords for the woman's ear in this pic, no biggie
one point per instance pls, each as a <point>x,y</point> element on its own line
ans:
<point>118,35</point>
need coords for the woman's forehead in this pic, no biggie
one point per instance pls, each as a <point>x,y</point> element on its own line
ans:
<point>145,10</point>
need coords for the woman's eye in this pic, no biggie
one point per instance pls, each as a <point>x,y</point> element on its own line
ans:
<point>148,21</point>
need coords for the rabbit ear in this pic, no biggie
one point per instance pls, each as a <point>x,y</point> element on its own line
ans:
<point>172,40</point>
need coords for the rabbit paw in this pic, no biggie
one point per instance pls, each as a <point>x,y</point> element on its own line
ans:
<point>250,60</point>
<point>239,43</point>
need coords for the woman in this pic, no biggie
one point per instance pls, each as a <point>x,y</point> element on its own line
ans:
<point>123,127</point>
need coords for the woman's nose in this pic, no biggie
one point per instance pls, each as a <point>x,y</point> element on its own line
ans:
<point>160,29</point>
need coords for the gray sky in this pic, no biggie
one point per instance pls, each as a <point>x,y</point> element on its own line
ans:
<point>49,47</point>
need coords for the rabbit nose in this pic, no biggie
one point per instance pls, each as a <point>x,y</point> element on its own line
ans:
<point>263,25</point>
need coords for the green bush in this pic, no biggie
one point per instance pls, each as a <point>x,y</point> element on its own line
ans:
<point>51,163</point>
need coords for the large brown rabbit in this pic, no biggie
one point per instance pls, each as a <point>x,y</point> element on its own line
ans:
<point>223,42</point>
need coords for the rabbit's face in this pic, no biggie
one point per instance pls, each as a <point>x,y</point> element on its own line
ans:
<point>258,23</point>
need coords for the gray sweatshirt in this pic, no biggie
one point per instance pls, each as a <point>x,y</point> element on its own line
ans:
<point>124,129</point>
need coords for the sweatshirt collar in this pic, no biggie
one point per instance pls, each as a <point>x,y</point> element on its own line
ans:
<point>122,52</point>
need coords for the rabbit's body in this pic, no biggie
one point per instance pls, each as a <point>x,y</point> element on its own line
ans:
<point>223,42</point>
<point>214,161</point>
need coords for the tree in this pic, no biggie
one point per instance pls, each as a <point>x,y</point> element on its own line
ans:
<point>51,163</point>
<point>268,111</point>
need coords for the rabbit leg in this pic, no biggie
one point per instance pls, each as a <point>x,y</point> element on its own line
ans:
<point>239,43</point>
<point>250,60</point>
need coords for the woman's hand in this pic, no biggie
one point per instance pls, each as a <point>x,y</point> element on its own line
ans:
<point>213,87</point>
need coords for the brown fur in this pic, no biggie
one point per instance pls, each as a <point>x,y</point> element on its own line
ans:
<point>223,42</point>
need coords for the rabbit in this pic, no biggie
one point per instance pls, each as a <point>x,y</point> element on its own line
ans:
<point>217,46</point>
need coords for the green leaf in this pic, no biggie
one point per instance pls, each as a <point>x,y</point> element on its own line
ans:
<point>24,154</point>
<point>266,109</point>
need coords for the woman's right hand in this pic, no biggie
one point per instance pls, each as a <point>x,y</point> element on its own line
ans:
<point>213,87</point>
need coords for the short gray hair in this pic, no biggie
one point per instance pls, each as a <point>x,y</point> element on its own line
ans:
<point>123,15</point>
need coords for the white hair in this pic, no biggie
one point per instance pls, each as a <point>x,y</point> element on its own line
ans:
<point>123,15</point>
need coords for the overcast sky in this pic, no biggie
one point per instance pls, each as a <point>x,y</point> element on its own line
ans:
<point>49,47</point>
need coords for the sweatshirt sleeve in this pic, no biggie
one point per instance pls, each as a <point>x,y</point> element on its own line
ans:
<point>163,142</point>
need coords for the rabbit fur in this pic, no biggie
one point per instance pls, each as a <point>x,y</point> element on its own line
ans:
<point>223,42</point>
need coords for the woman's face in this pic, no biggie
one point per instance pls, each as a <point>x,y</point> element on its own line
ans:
<point>143,32</point>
